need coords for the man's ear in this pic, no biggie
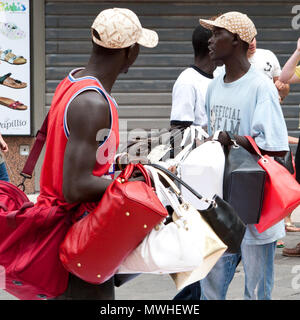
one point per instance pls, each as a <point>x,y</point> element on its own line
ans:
<point>132,53</point>
<point>127,52</point>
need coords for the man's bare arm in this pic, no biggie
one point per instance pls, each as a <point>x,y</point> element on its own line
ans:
<point>244,142</point>
<point>87,114</point>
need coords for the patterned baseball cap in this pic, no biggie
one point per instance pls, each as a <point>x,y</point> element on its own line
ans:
<point>120,28</point>
<point>234,22</point>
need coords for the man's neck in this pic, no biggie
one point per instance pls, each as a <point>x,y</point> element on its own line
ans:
<point>205,64</point>
<point>236,67</point>
<point>105,71</point>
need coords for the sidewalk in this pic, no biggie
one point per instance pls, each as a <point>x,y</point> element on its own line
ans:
<point>286,287</point>
<point>161,287</point>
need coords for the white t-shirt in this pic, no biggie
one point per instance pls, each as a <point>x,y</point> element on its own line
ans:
<point>188,97</point>
<point>266,61</point>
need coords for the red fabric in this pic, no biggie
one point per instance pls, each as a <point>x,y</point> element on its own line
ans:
<point>15,105</point>
<point>36,150</point>
<point>281,194</point>
<point>29,240</point>
<point>51,180</point>
<point>96,245</point>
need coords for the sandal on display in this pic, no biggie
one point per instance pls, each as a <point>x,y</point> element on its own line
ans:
<point>292,252</point>
<point>290,227</point>
<point>12,104</point>
<point>280,244</point>
<point>8,56</point>
<point>11,31</point>
<point>6,80</point>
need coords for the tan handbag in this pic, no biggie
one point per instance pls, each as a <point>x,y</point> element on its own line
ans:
<point>213,249</point>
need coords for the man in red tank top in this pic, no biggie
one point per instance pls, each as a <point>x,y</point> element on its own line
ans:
<point>77,160</point>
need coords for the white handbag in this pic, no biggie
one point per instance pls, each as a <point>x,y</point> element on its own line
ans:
<point>187,243</point>
<point>189,135</point>
<point>203,169</point>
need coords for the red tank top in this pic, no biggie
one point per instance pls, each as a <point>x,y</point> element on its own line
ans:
<point>51,180</point>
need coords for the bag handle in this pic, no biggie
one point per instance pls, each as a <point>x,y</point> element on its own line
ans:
<point>35,152</point>
<point>164,194</point>
<point>155,172</point>
<point>127,172</point>
<point>232,139</point>
<point>11,216</point>
<point>173,176</point>
<point>254,145</point>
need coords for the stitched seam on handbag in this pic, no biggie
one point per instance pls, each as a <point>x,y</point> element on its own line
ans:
<point>142,203</point>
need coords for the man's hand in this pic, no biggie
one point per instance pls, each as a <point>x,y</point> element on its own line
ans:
<point>279,85</point>
<point>3,145</point>
<point>123,159</point>
<point>283,89</point>
<point>224,138</point>
<point>298,45</point>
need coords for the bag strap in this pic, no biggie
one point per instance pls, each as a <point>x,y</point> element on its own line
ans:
<point>35,152</point>
<point>127,172</point>
<point>174,177</point>
<point>165,195</point>
<point>254,145</point>
<point>155,176</point>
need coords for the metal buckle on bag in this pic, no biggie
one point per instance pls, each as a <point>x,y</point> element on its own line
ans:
<point>235,145</point>
<point>22,184</point>
<point>211,202</point>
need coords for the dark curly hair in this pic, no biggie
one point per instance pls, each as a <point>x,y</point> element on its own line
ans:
<point>200,41</point>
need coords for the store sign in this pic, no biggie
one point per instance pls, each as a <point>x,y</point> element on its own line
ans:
<point>15,81</point>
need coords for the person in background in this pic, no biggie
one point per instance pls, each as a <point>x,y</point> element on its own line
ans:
<point>3,170</point>
<point>244,103</point>
<point>189,90</point>
<point>291,74</point>
<point>266,61</point>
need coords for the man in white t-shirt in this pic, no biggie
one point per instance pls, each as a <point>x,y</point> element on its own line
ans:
<point>189,90</point>
<point>266,61</point>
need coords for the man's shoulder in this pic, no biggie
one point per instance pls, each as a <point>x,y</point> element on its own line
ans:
<point>260,82</point>
<point>217,80</point>
<point>89,105</point>
<point>266,53</point>
<point>189,76</point>
<point>254,78</point>
<point>92,98</point>
<point>257,76</point>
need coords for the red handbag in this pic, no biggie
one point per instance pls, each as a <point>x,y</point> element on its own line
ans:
<point>97,244</point>
<point>30,237</point>
<point>281,194</point>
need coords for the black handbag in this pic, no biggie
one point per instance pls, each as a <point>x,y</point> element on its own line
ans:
<point>244,182</point>
<point>219,215</point>
<point>287,161</point>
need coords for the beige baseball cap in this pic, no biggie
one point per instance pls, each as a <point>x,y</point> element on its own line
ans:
<point>120,28</point>
<point>234,22</point>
